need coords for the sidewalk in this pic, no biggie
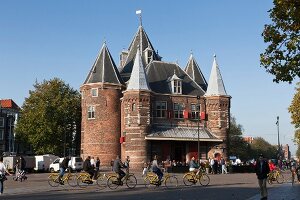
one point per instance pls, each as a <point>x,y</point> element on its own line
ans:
<point>285,192</point>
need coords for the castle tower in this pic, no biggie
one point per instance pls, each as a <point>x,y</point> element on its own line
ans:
<point>136,115</point>
<point>217,105</point>
<point>101,109</point>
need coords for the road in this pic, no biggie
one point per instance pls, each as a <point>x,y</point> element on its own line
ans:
<point>222,187</point>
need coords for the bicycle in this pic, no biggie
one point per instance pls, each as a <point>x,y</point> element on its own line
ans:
<point>129,179</point>
<point>84,180</point>
<point>277,176</point>
<point>151,179</point>
<point>191,178</point>
<point>53,179</point>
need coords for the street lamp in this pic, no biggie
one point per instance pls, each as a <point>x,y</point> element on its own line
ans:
<point>277,123</point>
<point>198,124</point>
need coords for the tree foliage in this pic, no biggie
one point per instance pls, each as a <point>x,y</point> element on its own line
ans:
<point>282,56</point>
<point>294,109</point>
<point>260,145</point>
<point>50,117</point>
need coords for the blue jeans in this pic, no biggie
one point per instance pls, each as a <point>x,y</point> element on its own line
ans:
<point>1,186</point>
<point>61,173</point>
<point>159,173</point>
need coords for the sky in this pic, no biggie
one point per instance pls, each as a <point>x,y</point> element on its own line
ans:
<point>40,40</point>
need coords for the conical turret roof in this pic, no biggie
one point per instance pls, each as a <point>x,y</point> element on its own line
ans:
<point>193,70</point>
<point>215,84</point>
<point>104,69</point>
<point>138,79</point>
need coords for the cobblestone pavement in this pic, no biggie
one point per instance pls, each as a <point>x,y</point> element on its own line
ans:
<point>232,186</point>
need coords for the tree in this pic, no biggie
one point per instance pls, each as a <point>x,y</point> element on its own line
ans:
<point>282,57</point>
<point>235,143</point>
<point>51,117</point>
<point>294,109</point>
<point>260,145</point>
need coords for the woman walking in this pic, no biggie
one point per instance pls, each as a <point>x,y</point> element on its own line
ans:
<point>3,170</point>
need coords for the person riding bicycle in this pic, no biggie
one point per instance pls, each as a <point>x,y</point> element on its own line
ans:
<point>87,167</point>
<point>62,168</point>
<point>293,166</point>
<point>193,165</point>
<point>272,168</point>
<point>117,168</point>
<point>156,169</point>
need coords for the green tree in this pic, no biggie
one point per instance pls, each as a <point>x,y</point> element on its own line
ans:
<point>260,145</point>
<point>50,118</point>
<point>294,109</point>
<point>282,56</point>
<point>236,144</point>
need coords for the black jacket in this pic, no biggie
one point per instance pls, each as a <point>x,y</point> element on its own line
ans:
<point>262,169</point>
<point>87,165</point>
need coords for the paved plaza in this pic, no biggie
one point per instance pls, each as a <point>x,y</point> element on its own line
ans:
<point>227,186</point>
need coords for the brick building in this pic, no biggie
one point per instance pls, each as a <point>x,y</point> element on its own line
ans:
<point>9,111</point>
<point>148,106</point>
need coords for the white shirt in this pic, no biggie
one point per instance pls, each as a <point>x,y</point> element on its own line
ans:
<point>93,162</point>
<point>2,168</point>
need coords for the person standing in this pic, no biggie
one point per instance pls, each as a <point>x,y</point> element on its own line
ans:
<point>97,167</point>
<point>262,169</point>
<point>126,164</point>
<point>223,164</point>
<point>93,163</point>
<point>3,170</point>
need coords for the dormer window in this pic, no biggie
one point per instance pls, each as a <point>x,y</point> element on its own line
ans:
<point>176,84</point>
<point>148,53</point>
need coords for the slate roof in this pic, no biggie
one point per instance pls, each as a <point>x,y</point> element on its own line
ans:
<point>104,69</point>
<point>215,85</point>
<point>138,79</point>
<point>133,47</point>
<point>181,133</point>
<point>159,74</point>
<point>193,70</point>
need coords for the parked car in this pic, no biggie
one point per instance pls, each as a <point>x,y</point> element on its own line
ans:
<point>76,164</point>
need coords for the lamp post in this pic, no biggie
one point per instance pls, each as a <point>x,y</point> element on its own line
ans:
<point>277,123</point>
<point>198,125</point>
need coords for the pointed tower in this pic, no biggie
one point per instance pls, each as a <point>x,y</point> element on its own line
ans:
<point>193,70</point>
<point>217,105</point>
<point>101,109</point>
<point>141,42</point>
<point>136,115</point>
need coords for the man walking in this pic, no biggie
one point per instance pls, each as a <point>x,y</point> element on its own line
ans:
<point>262,169</point>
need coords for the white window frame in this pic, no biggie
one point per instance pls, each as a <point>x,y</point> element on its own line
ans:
<point>177,86</point>
<point>160,109</point>
<point>94,92</point>
<point>195,111</point>
<point>178,110</point>
<point>1,121</point>
<point>91,112</point>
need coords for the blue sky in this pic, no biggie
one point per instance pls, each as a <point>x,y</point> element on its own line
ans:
<point>61,38</point>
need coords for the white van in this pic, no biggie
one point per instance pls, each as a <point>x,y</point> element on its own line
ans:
<point>76,164</point>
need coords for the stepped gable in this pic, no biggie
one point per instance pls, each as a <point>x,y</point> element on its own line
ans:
<point>215,85</point>
<point>159,74</point>
<point>104,69</point>
<point>138,79</point>
<point>193,70</point>
<point>140,39</point>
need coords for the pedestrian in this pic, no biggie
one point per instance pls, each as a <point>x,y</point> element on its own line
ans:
<point>262,169</point>
<point>112,164</point>
<point>3,170</point>
<point>126,164</point>
<point>145,169</point>
<point>93,163</point>
<point>223,164</point>
<point>97,168</point>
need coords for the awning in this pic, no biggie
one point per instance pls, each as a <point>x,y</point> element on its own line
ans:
<point>181,134</point>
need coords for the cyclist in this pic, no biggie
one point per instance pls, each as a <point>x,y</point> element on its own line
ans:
<point>272,168</point>
<point>293,165</point>
<point>117,165</point>
<point>62,168</point>
<point>193,165</point>
<point>87,167</point>
<point>156,169</point>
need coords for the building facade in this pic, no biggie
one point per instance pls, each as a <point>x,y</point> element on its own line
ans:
<point>9,112</point>
<point>150,107</point>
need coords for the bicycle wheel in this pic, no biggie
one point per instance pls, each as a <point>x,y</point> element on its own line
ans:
<point>131,181</point>
<point>204,180</point>
<point>53,180</point>
<point>112,182</point>
<point>101,181</point>
<point>148,182</point>
<point>171,182</point>
<point>83,181</point>
<point>72,180</point>
<point>188,179</point>
<point>280,178</point>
